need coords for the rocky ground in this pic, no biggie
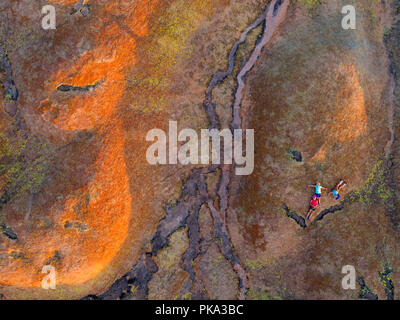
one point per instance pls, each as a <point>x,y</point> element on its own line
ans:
<point>76,189</point>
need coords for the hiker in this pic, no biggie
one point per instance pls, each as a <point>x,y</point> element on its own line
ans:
<point>336,190</point>
<point>314,203</point>
<point>318,191</point>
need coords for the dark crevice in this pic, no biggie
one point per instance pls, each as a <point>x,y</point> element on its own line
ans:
<point>133,284</point>
<point>77,6</point>
<point>300,219</point>
<point>177,214</point>
<point>88,88</point>
<point>176,217</point>
<point>10,90</point>
<point>76,225</point>
<point>295,155</point>
<point>387,282</point>
<point>337,207</point>
<point>8,232</point>
<point>84,9</point>
<point>220,75</point>
<point>296,217</point>
<point>276,7</point>
<point>194,250</point>
<point>365,291</point>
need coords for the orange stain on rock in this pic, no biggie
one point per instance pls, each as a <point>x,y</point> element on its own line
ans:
<point>105,65</point>
<point>98,234</point>
<point>106,214</point>
<point>350,118</point>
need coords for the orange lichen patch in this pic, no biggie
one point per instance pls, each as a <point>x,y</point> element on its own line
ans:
<point>350,119</point>
<point>321,154</point>
<point>84,253</point>
<point>103,64</point>
<point>88,215</point>
<point>352,122</point>
<point>106,215</point>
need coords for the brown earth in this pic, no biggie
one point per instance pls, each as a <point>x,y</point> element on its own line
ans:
<point>326,92</point>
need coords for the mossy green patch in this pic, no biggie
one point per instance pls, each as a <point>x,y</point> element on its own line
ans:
<point>376,184</point>
<point>258,294</point>
<point>24,164</point>
<point>310,5</point>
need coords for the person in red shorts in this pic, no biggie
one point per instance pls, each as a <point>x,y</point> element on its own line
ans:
<point>314,204</point>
